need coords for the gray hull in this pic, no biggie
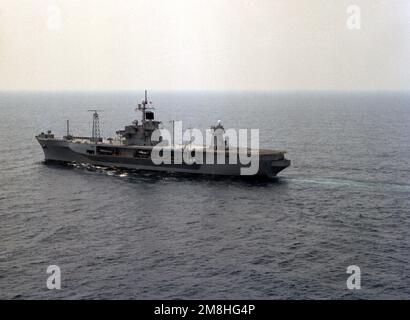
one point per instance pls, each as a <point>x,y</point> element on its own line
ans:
<point>67,151</point>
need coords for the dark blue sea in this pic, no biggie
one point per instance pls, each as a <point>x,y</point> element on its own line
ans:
<point>344,201</point>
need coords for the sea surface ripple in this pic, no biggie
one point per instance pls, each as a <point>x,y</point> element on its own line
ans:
<point>119,234</point>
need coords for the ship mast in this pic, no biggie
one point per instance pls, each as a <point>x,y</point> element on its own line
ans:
<point>95,134</point>
<point>144,107</point>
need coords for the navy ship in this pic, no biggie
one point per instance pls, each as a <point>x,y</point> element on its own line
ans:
<point>139,147</point>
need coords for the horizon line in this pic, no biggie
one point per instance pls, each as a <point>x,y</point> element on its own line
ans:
<point>206,90</point>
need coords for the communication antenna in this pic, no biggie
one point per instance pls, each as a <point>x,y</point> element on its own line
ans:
<point>190,135</point>
<point>95,134</point>
<point>68,128</point>
<point>173,132</point>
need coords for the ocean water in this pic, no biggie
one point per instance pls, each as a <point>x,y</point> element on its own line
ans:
<point>344,201</point>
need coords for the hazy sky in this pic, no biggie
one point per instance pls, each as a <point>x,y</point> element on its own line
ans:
<point>203,44</point>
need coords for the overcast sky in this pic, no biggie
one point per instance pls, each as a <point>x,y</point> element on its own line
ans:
<point>203,45</point>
